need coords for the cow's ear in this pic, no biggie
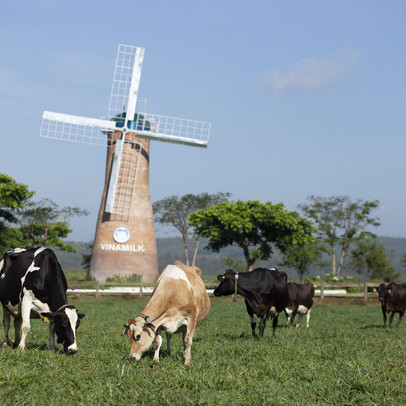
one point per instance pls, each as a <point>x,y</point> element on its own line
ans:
<point>127,330</point>
<point>81,315</point>
<point>220,277</point>
<point>48,316</point>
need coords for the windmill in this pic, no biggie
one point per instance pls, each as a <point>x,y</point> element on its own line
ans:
<point>125,238</point>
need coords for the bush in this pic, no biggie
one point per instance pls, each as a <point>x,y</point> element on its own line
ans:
<point>131,278</point>
<point>339,279</point>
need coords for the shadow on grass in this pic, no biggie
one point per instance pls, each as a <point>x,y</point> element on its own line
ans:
<point>31,347</point>
<point>374,326</point>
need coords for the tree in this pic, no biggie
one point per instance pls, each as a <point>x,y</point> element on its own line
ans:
<point>44,223</point>
<point>301,257</point>
<point>175,211</point>
<point>253,226</point>
<point>13,196</point>
<point>404,260</point>
<point>369,259</point>
<point>340,221</point>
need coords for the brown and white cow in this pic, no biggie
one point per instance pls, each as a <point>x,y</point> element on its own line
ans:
<point>300,301</point>
<point>179,303</point>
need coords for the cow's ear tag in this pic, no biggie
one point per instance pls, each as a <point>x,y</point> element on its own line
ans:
<point>46,320</point>
<point>374,290</point>
<point>389,290</point>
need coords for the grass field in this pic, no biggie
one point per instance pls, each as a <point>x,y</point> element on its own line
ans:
<point>344,358</point>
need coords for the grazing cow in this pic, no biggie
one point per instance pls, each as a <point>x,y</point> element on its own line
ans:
<point>300,301</point>
<point>179,303</point>
<point>265,292</point>
<point>393,300</point>
<point>33,285</point>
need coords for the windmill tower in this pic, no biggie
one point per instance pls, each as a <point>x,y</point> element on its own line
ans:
<point>125,238</point>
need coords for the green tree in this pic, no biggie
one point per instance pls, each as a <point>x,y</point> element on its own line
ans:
<point>234,263</point>
<point>404,260</point>
<point>302,257</point>
<point>13,196</point>
<point>175,211</point>
<point>253,226</point>
<point>369,259</point>
<point>44,223</point>
<point>340,221</point>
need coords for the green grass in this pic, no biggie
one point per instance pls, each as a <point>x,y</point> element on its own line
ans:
<point>344,358</point>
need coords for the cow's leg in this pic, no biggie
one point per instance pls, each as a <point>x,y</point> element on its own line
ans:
<point>274,324</point>
<point>384,316</point>
<point>168,343</point>
<point>17,331</point>
<point>52,335</point>
<point>300,319</point>
<point>262,325</point>
<point>308,318</point>
<point>6,324</point>
<point>188,340</point>
<point>293,316</point>
<point>391,318</point>
<point>25,316</point>
<point>401,314</point>
<point>288,314</point>
<point>252,320</point>
<point>156,345</point>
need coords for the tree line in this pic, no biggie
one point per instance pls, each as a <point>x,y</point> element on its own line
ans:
<point>330,225</point>
<point>26,222</point>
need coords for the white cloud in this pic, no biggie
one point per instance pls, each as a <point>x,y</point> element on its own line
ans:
<point>313,75</point>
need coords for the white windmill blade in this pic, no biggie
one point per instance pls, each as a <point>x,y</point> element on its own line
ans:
<point>135,83</point>
<point>72,128</point>
<point>126,80</point>
<point>171,129</point>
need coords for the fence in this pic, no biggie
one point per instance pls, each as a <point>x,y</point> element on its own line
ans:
<point>340,289</point>
<point>322,289</point>
<point>98,289</point>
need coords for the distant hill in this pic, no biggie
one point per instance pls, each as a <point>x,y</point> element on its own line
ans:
<point>171,249</point>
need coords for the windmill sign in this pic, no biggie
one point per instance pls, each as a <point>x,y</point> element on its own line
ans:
<point>125,238</point>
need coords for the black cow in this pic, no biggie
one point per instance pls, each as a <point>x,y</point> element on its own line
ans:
<point>265,292</point>
<point>300,301</point>
<point>393,300</point>
<point>33,285</point>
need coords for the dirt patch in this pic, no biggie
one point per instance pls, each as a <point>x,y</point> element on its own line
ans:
<point>343,301</point>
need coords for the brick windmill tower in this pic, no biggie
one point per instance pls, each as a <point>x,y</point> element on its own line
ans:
<point>125,238</point>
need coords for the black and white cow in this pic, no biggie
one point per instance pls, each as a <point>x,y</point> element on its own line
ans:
<point>265,292</point>
<point>300,302</point>
<point>33,285</point>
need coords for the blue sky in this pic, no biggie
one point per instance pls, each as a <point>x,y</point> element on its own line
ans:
<point>305,98</point>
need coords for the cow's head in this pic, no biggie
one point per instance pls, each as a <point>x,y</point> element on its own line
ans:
<point>67,320</point>
<point>141,331</point>
<point>382,292</point>
<point>227,284</point>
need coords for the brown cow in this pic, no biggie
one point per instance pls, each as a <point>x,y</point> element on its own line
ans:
<point>300,301</point>
<point>179,303</point>
<point>393,300</point>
